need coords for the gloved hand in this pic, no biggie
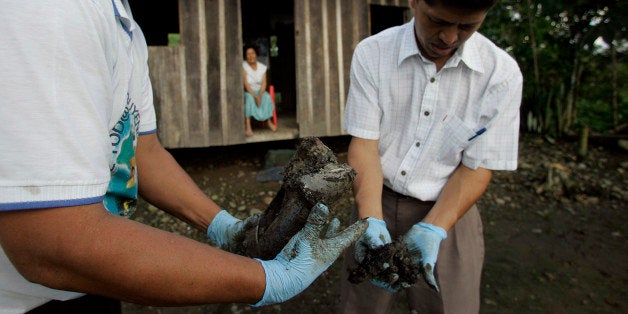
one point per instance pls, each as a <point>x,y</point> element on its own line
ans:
<point>307,255</point>
<point>423,241</point>
<point>376,235</point>
<point>226,231</point>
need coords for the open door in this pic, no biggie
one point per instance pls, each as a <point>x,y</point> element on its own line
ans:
<point>386,16</point>
<point>271,29</point>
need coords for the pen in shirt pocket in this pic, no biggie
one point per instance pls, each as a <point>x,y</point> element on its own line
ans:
<point>477,133</point>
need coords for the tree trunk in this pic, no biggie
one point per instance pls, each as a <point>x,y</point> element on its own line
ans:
<point>570,111</point>
<point>535,57</point>
<point>614,86</point>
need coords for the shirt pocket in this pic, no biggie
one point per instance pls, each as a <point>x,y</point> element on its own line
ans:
<point>456,136</point>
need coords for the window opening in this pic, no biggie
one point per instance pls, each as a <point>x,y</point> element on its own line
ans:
<point>383,17</point>
<point>159,22</point>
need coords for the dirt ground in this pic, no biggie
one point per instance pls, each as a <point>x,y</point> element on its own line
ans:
<point>558,249</point>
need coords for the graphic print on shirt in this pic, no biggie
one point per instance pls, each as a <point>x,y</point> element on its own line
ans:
<point>121,197</point>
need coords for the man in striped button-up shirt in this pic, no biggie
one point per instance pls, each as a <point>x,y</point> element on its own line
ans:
<point>433,108</point>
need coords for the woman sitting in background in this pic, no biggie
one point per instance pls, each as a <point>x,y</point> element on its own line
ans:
<point>257,102</point>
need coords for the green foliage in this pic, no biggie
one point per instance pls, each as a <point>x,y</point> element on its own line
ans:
<point>174,39</point>
<point>567,81</point>
<point>596,114</point>
<point>595,107</point>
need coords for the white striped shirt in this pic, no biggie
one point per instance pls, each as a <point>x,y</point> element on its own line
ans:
<point>426,121</point>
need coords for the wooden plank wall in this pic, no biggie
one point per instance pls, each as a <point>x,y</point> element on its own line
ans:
<point>326,33</point>
<point>198,86</point>
<point>396,3</point>
<point>167,74</point>
<point>322,36</point>
<point>191,24</point>
<point>224,68</point>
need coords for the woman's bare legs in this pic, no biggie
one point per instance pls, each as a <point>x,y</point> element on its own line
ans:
<point>249,130</point>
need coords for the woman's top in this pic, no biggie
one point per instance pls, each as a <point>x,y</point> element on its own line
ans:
<point>254,77</point>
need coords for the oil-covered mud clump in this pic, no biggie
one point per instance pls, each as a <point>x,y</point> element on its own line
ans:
<point>390,264</point>
<point>312,176</point>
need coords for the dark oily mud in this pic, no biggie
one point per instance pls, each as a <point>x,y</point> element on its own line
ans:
<point>390,264</point>
<point>312,176</point>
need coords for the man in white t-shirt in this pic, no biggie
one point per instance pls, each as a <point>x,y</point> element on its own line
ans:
<point>433,108</point>
<point>78,144</point>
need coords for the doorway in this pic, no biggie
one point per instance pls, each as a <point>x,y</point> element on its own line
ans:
<point>383,17</point>
<point>272,31</point>
<point>159,23</point>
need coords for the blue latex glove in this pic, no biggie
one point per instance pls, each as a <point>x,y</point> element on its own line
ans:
<point>307,255</point>
<point>423,241</point>
<point>226,231</point>
<point>376,235</point>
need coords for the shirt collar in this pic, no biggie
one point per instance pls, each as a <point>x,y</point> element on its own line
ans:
<point>409,47</point>
<point>468,53</point>
<point>121,11</point>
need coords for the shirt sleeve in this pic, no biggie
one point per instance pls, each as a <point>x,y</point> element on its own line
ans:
<point>363,112</point>
<point>54,111</point>
<point>148,117</point>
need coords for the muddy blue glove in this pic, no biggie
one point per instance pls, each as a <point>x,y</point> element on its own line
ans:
<point>423,241</point>
<point>307,255</point>
<point>376,235</point>
<point>226,231</point>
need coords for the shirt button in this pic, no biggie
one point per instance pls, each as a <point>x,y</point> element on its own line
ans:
<point>417,144</point>
<point>427,113</point>
<point>403,172</point>
<point>432,80</point>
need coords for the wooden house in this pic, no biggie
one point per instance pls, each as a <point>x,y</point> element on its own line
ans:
<point>196,55</point>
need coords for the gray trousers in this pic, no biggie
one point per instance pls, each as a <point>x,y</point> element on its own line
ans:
<point>458,268</point>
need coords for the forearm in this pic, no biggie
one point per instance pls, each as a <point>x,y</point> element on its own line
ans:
<point>163,183</point>
<point>463,189</point>
<point>263,87</point>
<point>363,156</point>
<point>86,249</point>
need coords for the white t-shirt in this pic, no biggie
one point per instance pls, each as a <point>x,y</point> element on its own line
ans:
<point>75,95</point>
<point>254,77</point>
<point>427,121</point>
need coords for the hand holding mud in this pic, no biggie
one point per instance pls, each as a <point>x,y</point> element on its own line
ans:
<point>376,235</point>
<point>307,255</point>
<point>423,241</point>
<point>226,231</point>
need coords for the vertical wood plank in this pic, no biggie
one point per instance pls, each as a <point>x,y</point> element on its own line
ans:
<point>334,102</point>
<point>193,39</point>
<point>234,101</point>
<point>167,75</point>
<point>224,62</point>
<point>213,70</point>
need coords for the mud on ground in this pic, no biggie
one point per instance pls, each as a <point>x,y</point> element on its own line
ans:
<point>559,249</point>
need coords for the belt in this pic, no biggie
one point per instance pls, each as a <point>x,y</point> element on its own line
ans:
<point>406,197</point>
<point>396,194</point>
